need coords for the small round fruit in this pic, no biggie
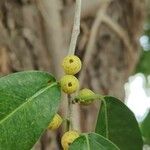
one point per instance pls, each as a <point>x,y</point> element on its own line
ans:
<point>71,64</point>
<point>69,84</point>
<point>68,138</point>
<point>84,96</point>
<point>55,123</point>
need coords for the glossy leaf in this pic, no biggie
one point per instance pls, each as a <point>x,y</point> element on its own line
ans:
<point>118,124</point>
<point>145,129</point>
<point>92,141</point>
<point>28,102</point>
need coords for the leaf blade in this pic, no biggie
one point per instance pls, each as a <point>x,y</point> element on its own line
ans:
<point>145,129</point>
<point>22,128</point>
<point>122,127</point>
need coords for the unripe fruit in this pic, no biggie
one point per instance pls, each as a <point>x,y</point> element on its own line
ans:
<point>69,84</point>
<point>71,64</point>
<point>55,123</point>
<point>68,138</point>
<point>84,96</point>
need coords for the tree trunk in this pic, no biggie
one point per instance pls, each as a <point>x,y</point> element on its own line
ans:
<point>36,35</point>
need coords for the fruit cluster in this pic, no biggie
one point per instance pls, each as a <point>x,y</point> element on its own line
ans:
<point>71,65</point>
<point>70,84</point>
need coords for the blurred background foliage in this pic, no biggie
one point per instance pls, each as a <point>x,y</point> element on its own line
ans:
<point>144,68</point>
<point>144,63</point>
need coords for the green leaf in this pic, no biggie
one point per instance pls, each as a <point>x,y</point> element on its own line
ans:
<point>92,141</point>
<point>145,129</point>
<point>28,102</point>
<point>118,124</point>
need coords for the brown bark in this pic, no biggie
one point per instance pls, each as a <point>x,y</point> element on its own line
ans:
<point>36,35</point>
<point>111,52</point>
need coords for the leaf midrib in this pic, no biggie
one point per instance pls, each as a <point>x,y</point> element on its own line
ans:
<point>106,118</point>
<point>109,142</point>
<point>87,137</point>
<point>28,100</point>
<point>87,141</point>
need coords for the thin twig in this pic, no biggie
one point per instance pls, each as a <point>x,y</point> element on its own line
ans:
<point>69,113</point>
<point>74,37</point>
<point>76,28</point>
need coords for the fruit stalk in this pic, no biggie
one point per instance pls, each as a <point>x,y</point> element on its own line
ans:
<point>69,117</point>
<point>76,28</point>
